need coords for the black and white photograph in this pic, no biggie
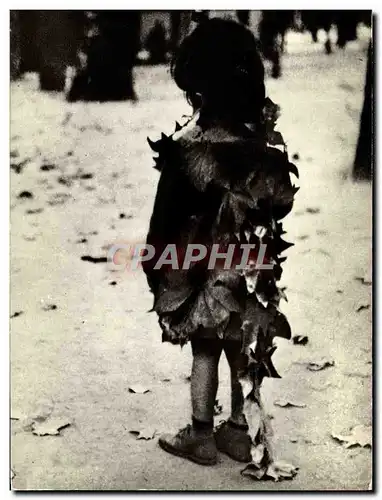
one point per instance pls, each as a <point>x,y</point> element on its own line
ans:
<point>191,250</point>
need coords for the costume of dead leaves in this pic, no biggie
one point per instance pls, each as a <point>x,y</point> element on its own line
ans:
<point>225,183</point>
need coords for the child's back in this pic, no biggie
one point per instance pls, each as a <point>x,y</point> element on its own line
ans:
<point>223,189</point>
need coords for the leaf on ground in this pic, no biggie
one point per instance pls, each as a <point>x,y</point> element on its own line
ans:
<point>138,389</point>
<point>33,211</point>
<point>18,167</point>
<point>58,199</point>
<point>300,339</point>
<point>146,433</point>
<point>285,403</point>
<point>16,314</point>
<point>166,380</point>
<point>313,210</point>
<point>49,307</point>
<point>218,409</point>
<point>276,471</point>
<point>25,195</point>
<point>362,307</point>
<point>51,426</point>
<point>13,474</point>
<point>365,280</point>
<point>65,180</point>
<point>315,366</point>
<point>360,435</point>
<point>94,260</point>
<point>47,167</point>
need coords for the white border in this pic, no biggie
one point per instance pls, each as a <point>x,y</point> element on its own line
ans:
<point>4,185</point>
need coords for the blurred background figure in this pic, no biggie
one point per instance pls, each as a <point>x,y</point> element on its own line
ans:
<point>156,44</point>
<point>111,48</point>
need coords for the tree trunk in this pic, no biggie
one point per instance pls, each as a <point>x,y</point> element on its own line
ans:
<point>57,42</point>
<point>243,16</point>
<point>364,161</point>
<point>180,25</point>
<point>15,45</point>
<point>111,55</point>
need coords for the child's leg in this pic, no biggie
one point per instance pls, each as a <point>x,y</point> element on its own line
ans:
<point>232,351</point>
<point>204,382</point>
<point>232,437</point>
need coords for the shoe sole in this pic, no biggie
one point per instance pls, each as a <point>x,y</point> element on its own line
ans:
<point>182,454</point>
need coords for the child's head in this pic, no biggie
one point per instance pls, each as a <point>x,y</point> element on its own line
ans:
<point>219,67</point>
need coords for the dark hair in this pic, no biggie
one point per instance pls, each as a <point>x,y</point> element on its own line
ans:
<point>220,69</point>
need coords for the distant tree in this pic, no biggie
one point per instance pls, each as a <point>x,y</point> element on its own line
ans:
<point>56,38</point>
<point>364,159</point>
<point>180,21</point>
<point>243,16</point>
<point>15,45</point>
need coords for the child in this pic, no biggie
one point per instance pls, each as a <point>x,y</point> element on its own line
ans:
<point>222,183</point>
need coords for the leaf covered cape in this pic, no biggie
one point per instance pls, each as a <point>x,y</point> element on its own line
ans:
<point>225,184</point>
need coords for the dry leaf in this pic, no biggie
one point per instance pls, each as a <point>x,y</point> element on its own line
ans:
<point>284,403</point>
<point>277,471</point>
<point>218,409</point>
<point>367,279</point>
<point>146,433</point>
<point>284,470</point>
<point>362,307</point>
<point>138,389</point>
<point>360,435</point>
<point>49,307</point>
<point>315,366</point>
<point>51,426</point>
<point>300,339</point>
<point>16,314</point>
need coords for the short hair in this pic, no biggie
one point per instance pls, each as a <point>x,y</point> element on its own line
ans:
<point>217,63</point>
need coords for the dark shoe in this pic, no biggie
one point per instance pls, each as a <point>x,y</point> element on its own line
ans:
<point>234,442</point>
<point>201,450</point>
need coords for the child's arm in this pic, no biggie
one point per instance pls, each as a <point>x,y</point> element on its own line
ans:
<point>172,207</point>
